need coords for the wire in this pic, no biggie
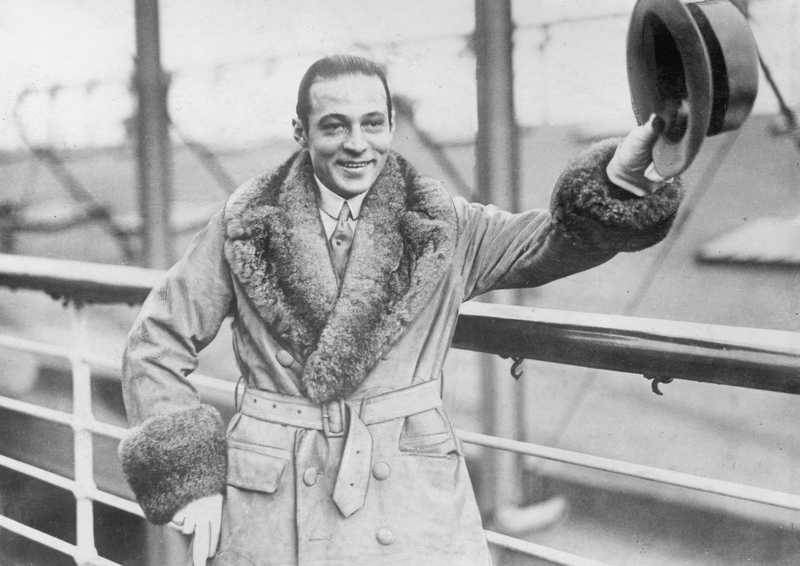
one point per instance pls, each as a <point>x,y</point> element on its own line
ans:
<point>787,112</point>
<point>208,159</point>
<point>405,107</point>
<point>71,183</point>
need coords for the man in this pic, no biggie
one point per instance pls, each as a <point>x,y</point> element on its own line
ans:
<point>344,270</point>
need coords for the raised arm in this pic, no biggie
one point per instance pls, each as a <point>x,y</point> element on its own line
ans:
<point>590,220</point>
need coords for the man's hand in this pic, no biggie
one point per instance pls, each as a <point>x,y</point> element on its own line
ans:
<point>632,165</point>
<point>201,518</point>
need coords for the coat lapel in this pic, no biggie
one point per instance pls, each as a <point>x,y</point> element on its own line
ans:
<point>275,249</point>
<point>403,246</point>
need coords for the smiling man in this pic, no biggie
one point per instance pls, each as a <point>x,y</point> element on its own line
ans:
<point>350,122</point>
<point>343,270</point>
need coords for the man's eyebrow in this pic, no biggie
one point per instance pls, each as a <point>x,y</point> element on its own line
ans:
<point>333,116</point>
<point>344,118</point>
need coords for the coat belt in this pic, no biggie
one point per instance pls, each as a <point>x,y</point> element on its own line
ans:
<point>348,418</point>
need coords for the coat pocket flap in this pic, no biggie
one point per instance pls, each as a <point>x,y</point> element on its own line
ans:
<point>428,433</point>
<point>253,467</point>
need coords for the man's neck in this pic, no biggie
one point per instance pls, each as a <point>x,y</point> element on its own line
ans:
<point>330,203</point>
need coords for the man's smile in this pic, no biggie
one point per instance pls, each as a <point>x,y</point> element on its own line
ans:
<point>355,165</point>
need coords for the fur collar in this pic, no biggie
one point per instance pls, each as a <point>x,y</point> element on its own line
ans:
<point>276,248</point>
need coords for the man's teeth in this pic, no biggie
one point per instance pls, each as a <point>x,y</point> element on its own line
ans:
<point>354,165</point>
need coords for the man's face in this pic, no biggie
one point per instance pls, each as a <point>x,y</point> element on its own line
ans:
<point>348,133</point>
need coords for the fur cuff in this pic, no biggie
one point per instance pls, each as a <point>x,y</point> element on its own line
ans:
<point>596,214</point>
<point>173,459</point>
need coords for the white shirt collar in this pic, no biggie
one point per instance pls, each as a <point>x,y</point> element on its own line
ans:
<point>331,203</point>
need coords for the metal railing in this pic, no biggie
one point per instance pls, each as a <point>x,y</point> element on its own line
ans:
<point>761,359</point>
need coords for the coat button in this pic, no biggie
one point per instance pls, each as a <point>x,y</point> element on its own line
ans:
<point>284,358</point>
<point>381,471</point>
<point>310,476</point>
<point>385,536</point>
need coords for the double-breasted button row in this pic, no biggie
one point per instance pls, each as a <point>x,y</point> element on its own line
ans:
<point>381,471</point>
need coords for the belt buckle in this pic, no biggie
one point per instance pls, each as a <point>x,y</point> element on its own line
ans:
<point>326,424</point>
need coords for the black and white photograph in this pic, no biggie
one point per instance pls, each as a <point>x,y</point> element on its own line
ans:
<point>419,283</point>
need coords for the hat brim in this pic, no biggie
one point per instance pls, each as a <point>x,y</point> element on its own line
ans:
<point>695,65</point>
<point>669,74</point>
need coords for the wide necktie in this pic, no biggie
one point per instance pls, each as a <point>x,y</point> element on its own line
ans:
<point>341,240</point>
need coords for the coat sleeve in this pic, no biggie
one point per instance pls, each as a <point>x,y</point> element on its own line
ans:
<point>175,452</point>
<point>589,221</point>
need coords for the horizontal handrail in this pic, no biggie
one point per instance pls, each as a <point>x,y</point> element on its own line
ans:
<point>660,349</point>
<point>52,542</point>
<point>70,485</point>
<point>78,280</point>
<point>60,417</point>
<point>550,555</point>
<point>660,475</point>
<point>105,363</point>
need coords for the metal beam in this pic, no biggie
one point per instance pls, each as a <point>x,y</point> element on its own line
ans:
<point>153,145</point>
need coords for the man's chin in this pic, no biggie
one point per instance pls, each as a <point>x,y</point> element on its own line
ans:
<point>349,189</point>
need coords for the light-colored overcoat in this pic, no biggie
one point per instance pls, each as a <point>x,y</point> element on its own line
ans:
<point>417,255</point>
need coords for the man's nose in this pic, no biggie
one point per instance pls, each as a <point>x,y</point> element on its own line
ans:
<point>356,142</point>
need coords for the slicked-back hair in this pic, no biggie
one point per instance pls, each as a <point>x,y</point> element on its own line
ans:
<point>331,68</point>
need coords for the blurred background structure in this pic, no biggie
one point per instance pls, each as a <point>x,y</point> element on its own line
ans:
<point>75,185</point>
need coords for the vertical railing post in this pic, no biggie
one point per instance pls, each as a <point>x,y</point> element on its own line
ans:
<point>82,419</point>
<point>497,171</point>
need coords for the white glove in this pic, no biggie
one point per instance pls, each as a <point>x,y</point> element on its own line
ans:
<point>201,518</point>
<point>632,165</point>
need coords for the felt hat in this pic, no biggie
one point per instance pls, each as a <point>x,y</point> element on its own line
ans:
<point>695,64</point>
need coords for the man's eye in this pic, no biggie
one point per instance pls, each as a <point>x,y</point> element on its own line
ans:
<point>333,128</point>
<point>374,125</point>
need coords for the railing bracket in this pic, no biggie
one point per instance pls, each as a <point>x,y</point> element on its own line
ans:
<point>516,373</point>
<point>656,381</point>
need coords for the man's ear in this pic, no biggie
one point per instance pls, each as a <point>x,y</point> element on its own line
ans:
<point>299,132</point>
